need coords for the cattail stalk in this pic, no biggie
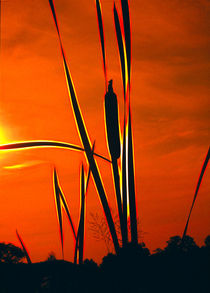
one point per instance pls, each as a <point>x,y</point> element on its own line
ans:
<point>122,55</point>
<point>113,138</point>
<point>82,217</point>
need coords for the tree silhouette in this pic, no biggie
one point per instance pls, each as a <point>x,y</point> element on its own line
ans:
<point>177,245</point>
<point>207,241</point>
<point>10,253</point>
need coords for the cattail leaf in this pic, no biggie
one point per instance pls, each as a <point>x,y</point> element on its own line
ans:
<point>64,203</point>
<point>116,178</point>
<point>45,143</point>
<point>87,146</point>
<point>66,208</point>
<point>79,226</point>
<point>203,169</point>
<point>89,171</point>
<point>52,7</point>
<point>121,48</point>
<point>82,217</point>
<point>80,231</point>
<point>127,31</point>
<point>37,144</point>
<point>24,248</point>
<point>102,39</point>
<point>124,184</point>
<point>131,184</point>
<point>58,206</point>
<point>124,73</point>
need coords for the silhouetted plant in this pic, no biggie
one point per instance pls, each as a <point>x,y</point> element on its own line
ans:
<point>51,256</point>
<point>100,231</point>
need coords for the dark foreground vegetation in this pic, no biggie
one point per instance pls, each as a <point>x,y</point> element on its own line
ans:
<point>181,266</point>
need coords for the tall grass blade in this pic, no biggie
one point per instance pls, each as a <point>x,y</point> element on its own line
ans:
<point>130,153</point>
<point>24,248</point>
<point>124,184</point>
<point>87,144</point>
<point>79,226</point>
<point>62,201</point>
<point>131,185</point>
<point>89,171</point>
<point>66,208</point>
<point>101,33</point>
<point>45,143</point>
<point>82,217</point>
<point>121,48</point>
<point>58,206</point>
<point>124,73</point>
<point>127,31</point>
<point>203,169</point>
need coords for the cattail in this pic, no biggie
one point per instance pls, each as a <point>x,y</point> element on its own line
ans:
<point>113,137</point>
<point>112,122</point>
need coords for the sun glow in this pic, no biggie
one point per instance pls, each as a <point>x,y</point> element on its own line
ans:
<point>3,138</point>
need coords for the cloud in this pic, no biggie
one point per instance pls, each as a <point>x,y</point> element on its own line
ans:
<point>23,165</point>
<point>175,142</point>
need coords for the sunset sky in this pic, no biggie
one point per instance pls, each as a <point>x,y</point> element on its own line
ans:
<point>170,99</point>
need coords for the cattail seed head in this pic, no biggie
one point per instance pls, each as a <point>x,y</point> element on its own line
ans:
<point>112,122</point>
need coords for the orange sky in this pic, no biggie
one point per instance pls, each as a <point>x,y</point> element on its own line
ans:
<point>170,107</point>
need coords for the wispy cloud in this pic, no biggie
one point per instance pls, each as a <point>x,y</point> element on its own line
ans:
<point>23,165</point>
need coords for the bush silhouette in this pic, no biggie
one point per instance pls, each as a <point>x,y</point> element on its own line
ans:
<point>10,253</point>
<point>178,246</point>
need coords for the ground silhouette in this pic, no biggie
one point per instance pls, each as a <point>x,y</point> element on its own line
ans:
<point>181,266</point>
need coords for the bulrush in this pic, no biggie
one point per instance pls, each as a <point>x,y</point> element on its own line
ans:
<point>112,122</point>
<point>113,137</point>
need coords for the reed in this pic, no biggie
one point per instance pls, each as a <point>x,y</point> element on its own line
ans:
<point>113,138</point>
<point>24,248</point>
<point>46,144</point>
<point>82,216</point>
<point>112,127</point>
<point>59,201</point>
<point>123,34</point>
<point>122,54</point>
<point>203,169</point>
<point>79,247</point>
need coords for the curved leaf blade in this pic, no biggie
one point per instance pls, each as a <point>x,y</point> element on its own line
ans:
<point>121,48</point>
<point>24,248</point>
<point>58,206</point>
<point>102,39</point>
<point>45,143</point>
<point>203,169</point>
<point>127,32</point>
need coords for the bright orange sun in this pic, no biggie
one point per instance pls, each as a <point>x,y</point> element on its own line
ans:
<point>3,139</point>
